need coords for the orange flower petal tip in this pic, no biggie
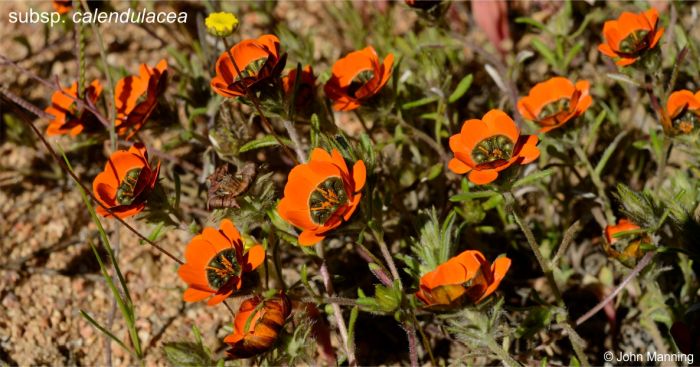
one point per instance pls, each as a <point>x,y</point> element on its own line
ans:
<point>357,77</point>
<point>216,264</point>
<point>486,147</point>
<point>321,194</point>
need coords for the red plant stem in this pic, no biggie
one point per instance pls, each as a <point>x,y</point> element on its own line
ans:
<point>253,98</point>
<point>63,165</point>
<point>637,269</point>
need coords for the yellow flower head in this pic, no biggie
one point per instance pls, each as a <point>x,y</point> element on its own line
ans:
<point>221,24</point>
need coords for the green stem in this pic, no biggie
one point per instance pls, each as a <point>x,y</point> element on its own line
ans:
<point>379,236</point>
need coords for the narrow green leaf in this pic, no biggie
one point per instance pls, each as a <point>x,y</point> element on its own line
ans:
<point>544,51</point>
<point>419,102</point>
<point>608,152</point>
<point>264,142</point>
<point>472,195</point>
<point>106,332</point>
<point>530,21</point>
<point>462,88</point>
<point>529,179</point>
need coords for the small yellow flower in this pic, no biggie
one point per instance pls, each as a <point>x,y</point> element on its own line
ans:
<point>221,24</point>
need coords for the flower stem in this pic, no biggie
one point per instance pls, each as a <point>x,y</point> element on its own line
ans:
<point>379,236</point>
<point>328,284</point>
<point>254,99</point>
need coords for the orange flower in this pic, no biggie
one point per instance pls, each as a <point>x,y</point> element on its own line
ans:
<point>216,262</point>
<point>467,276</point>
<point>554,102</point>
<point>124,184</point>
<point>488,146</point>
<point>321,194</point>
<point>257,60</point>
<point>62,6</point>
<point>136,97</point>
<point>683,108</point>
<point>630,36</point>
<point>307,85</point>
<point>68,119</point>
<point>631,245</point>
<point>357,77</point>
<point>264,324</point>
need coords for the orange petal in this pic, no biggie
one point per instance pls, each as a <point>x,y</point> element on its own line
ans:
<point>256,256</point>
<point>457,166</point>
<point>679,100</point>
<point>309,238</point>
<point>501,124</point>
<point>230,230</point>
<point>194,295</point>
<point>359,175</point>
<point>483,177</point>
<point>498,272</point>
<point>529,152</point>
<point>216,239</point>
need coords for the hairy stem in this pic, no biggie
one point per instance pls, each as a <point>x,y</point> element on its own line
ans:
<point>337,312</point>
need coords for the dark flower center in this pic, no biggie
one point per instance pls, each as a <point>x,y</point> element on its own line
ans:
<point>686,121</point>
<point>250,70</point>
<point>326,199</point>
<point>493,149</point>
<point>635,43</point>
<point>222,268</point>
<point>552,109</point>
<point>126,190</point>
<point>360,80</point>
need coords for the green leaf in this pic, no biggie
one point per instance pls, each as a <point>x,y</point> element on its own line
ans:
<point>534,177</point>
<point>572,53</point>
<point>106,332</point>
<point>433,172</point>
<point>530,21</point>
<point>264,142</point>
<point>608,152</point>
<point>462,88</point>
<point>186,354</point>
<point>419,102</point>
<point>472,195</point>
<point>544,51</point>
